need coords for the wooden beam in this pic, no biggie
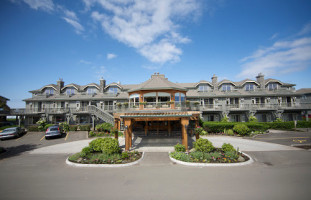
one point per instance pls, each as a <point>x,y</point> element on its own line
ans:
<point>146,128</point>
<point>128,124</point>
<point>184,123</point>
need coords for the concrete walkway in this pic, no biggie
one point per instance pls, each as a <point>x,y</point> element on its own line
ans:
<point>243,144</point>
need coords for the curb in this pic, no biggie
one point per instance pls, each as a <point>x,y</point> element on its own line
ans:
<point>104,165</point>
<point>250,161</point>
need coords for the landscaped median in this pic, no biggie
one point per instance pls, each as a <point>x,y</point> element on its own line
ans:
<point>104,152</point>
<point>205,154</point>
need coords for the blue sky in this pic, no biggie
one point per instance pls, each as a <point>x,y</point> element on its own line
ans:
<point>126,40</point>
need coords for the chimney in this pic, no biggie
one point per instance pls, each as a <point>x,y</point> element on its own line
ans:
<point>102,85</point>
<point>60,85</point>
<point>261,80</point>
<point>215,82</point>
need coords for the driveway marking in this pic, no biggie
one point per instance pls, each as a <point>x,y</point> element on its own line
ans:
<point>279,138</point>
<point>299,141</point>
<point>66,136</point>
<point>42,138</point>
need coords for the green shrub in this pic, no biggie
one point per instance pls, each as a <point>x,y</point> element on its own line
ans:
<point>231,155</point>
<point>281,125</point>
<point>73,127</point>
<point>120,133</point>
<point>4,127</point>
<point>41,124</point>
<point>104,127</point>
<point>303,124</point>
<point>74,157</point>
<point>278,120</point>
<point>217,127</point>
<point>64,126</point>
<point>203,145</point>
<point>179,148</point>
<point>33,129</point>
<point>197,155</point>
<point>180,156</point>
<point>227,147</point>
<point>241,129</point>
<point>86,151</point>
<point>225,119</point>
<point>230,132</point>
<point>85,127</point>
<point>252,118</point>
<point>96,145</point>
<point>92,134</point>
<point>215,155</point>
<point>125,155</point>
<point>257,126</point>
<point>110,146</point>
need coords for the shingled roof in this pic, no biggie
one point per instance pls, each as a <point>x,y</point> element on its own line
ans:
<point>158,82</point>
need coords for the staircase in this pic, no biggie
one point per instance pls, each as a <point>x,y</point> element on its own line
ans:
<point>103,115</point>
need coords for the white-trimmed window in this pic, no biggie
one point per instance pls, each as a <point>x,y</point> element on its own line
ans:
<point>249,87</point>
<point>113,90</point>
<point>226,87</point>
<point>91,90</point>
<point>203,88</point>
<point>49,91</point>
<point>70,91</point>
<point>272,86</point>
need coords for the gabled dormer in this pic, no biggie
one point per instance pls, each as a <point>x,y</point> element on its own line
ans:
<point>113,88</point>
<point>70,89</point>
<point>226,85</point>
<point>204,86</point>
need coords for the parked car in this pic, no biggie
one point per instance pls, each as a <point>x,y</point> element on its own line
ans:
<point>11,132</point>
<point>53,131</point>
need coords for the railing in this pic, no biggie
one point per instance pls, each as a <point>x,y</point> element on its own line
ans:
<point>105,116</point>
<point>162,106</point>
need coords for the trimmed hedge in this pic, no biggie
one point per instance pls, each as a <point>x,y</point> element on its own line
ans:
<point>303,124</point>
<point>33,129</point>
<point>281,125</point>
<point>217,127</point>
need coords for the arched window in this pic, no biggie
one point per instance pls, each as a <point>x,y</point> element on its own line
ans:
<point>113,90</point>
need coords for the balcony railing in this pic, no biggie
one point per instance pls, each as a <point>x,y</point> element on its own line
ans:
<point>164,106</point>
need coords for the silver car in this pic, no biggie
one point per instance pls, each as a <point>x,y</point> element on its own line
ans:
<point>53,131</point>
<point>11,133</point>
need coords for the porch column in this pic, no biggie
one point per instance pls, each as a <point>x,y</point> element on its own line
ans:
<point>93,122</point>
<point>184,124</point>
<point>169,128</point>
<point>116,126</point>
<point>197,135</point>
<point>146,128</point>
<point>141,99</point>
<point>127,124</point>
<point>173,100</point>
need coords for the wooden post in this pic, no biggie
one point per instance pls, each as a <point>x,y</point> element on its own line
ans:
<point>184,123</point>
<point>130,135</point>
<point>127,124</point>
<point>141,100</point>
<point>197,135</point>
<point>146,128</point>
<point>169,128</point>
<point>173,99</point>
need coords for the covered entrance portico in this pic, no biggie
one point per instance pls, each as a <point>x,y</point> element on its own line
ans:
<point>156,122</point>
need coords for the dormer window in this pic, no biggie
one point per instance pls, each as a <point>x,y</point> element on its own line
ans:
<point>113,90</point>
<point>272,86</point>
<point>203,88</point>
<point>91,90</point>
<point>249,87</point>
<point>49,91</point>
<point>70,91</point>
<point>226,87</point>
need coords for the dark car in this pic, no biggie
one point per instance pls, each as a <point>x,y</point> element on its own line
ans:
<point>11,133</point>
<point>53,131</point>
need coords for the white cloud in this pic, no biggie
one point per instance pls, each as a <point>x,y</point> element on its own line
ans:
<point>45,5</point>
<point>77,26</point>
<point>111,56</point>
<point>306,29</point>
<point>85,62</point>
<point>147,26</point>
<point>281,58</point>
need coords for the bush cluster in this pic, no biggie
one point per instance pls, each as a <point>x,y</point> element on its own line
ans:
<point>241,129</point>
<point>227,147</point>
<point>105,145</point>
<point>179,148</point>
<point>203,145</point>
<point>104,127</point>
